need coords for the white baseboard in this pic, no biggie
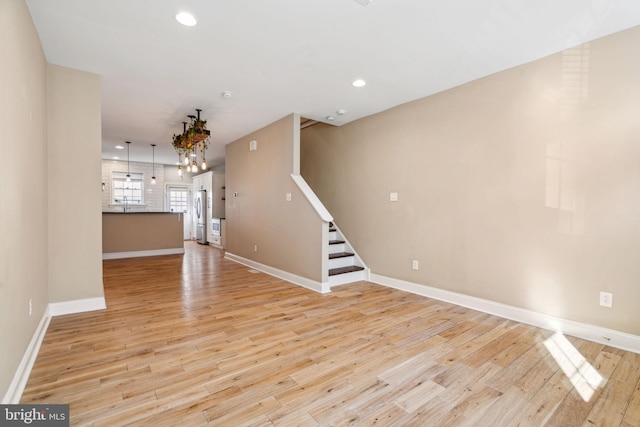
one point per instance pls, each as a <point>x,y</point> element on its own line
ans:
<point>137,254</point>
<point>585,331</point>
<point>295,279</point>
<point>76,306</point>
<point>20,378</point>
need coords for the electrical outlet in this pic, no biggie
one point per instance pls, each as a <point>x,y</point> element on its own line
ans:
<point>393,197</point>
<point>415,264</point>
<point>255,248</point>
<point>606,299</point>
<point>287,197</point>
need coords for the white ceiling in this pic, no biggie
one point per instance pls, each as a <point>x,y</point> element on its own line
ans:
<point>284,56</point>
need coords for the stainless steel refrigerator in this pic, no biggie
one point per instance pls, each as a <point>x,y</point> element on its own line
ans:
<point>200,216</point>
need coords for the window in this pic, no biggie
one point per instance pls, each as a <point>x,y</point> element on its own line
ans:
<point>178,199</point>
<point>130,192</point>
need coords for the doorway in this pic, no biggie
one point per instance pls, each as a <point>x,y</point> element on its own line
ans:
<point>178,200</point>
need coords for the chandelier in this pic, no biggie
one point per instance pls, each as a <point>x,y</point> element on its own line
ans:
<point>194,138</point>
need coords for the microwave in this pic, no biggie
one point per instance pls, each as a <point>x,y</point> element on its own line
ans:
<point>215,226</point>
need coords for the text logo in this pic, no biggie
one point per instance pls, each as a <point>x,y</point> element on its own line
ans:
<point>34,415</point>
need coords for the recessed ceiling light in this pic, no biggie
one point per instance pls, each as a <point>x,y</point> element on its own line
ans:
<point>186,19</point>
<point>341,112</point>
<point>119,147</point>
<point>116,158</point>
<point>359,83</point>
<point>226,94</point>
<point>330,118</point>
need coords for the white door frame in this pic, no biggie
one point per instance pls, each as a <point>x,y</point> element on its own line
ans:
<point>187,216</point>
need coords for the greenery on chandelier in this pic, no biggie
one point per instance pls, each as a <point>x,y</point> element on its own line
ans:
<point>194,137</point>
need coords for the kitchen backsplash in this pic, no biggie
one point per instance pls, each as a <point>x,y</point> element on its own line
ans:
<point>153,193</point>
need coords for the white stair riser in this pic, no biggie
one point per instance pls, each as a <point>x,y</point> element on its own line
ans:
<point>340,247</point>
<point>341,279</point>
<point>341,262</point>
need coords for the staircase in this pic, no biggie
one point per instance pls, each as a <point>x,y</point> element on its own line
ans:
<point>344,264</point>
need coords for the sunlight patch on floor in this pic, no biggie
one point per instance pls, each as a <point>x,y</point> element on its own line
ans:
<point>584,377</point>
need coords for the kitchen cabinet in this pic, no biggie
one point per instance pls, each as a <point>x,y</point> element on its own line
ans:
<point>127,235</point>
<point>218,191</point>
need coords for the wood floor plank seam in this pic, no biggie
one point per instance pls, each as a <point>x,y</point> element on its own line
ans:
<point>196,339</point>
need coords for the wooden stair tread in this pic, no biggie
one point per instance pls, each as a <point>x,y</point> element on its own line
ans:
<point>343,270</point>
<point>340,255</point>
<point>336,242</point>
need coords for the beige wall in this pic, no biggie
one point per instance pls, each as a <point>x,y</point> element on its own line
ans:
<point>288,234</point>
<point>141,231</point>
<point>171,175</point>
<point>75,233</point>
<point>50,249</point>
<point>521,188</point>
<point>23,188</point>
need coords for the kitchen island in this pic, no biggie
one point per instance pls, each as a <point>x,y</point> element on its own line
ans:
<point>137,234</point>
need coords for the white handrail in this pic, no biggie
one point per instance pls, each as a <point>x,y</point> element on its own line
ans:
<point>312,198</point>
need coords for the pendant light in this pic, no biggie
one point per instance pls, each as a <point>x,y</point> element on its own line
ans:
<point>128,174</point>
<point>153,173</point>
<point>194,166</point>
<point>204,160</point>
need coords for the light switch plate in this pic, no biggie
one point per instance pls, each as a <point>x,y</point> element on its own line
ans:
<point>393,197</point>
<point>287,197</point>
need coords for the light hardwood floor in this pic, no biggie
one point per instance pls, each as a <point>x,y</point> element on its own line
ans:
<point>194,340</point>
